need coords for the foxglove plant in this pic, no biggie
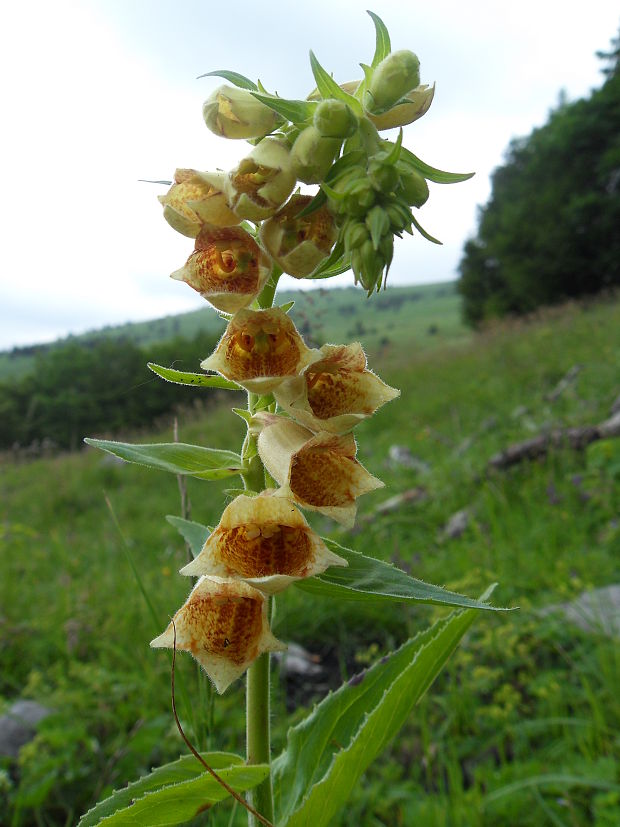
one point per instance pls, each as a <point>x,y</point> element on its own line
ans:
<point>249,226</point>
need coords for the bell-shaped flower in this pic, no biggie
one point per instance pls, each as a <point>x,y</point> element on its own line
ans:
<point>235,113</point>
<point>299,244</point>
<point>259,349</point>
<point>418,103</point>
<point>265,541</point>
<point>194,200</point>
<point>263,181</point>
<point>336,392</point>
<point>227,267</point>
<point>224,625</point>
<point>317,471</point>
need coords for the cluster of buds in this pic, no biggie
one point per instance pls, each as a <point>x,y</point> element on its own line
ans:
<point>249,225</point>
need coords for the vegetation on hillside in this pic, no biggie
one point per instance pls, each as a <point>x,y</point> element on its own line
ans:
<point>550,229</point>
<point>520,730</point>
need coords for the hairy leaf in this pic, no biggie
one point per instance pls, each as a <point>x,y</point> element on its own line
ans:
<point>199,380</point>
<point>234,77</point>
<point>295,111</point>
<point>194,534</point>
<point>328,88</point>
<point>176,457</point>
<point>366,578</point>
<point>328,751</point>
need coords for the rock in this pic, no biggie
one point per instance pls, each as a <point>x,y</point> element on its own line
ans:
<point>18,726</point>
<point>597,610</point>
<point>394,503</point>
<point>457,524</point>
<point>297,661</point>
<point>615,408</point>
<point>401,455</point>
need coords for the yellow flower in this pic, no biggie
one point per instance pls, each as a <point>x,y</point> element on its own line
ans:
<point>227,267</point>
<point>298,245</point>
<point>317,471</point>
<point>259,349</point>
<point>418,103</point>
<point>335,392</point>
<point>263,181</point>
<point>235,113</point>
<point>223,624</point>
<point>266,541</point>
<point>195,199</point>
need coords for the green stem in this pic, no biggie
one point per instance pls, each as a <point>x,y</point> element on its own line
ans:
<point>258,735</point>
<point>258,743</point>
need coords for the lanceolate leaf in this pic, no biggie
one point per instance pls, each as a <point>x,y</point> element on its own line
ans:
<point>368,579</point>
<point>328,88</point>
<point>383,46</point>
<point>194,534</point>
<point>328,751</point>
<point>198,380</point>
<point>233,77</point>
<point>176,457</point>
<point>293,110</point>
<point>430,173</point>
<point>337,262</point>
<point>422,231</point>
<point>174,793</point>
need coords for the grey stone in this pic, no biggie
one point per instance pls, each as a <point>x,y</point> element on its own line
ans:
<point>597,610</point>
<point>18,726</point>
<point>401,455</point>
<point>457,524</point>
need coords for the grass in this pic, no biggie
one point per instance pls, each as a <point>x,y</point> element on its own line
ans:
<point>521,728</point>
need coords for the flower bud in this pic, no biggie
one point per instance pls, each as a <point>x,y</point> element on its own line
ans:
<point>298,245</point>
<point>334,119</point>
<point>360,195</point>
<point>263,180</point>
<point>223,624</point>
<point>266,541</point>
<point>191,201</point>
<point>399,215</point>
<point>392,79</point>
<point>235,113</point>
<point>227,267</point>
<point>412,187</point>
<point>367,265</point>
<point>312,155</point>
<point>418,103</point>
<point>384,177</point>
<point>354,235</point>
<point>317,471</point>
<point>336,392</point>
<point>259,349</point>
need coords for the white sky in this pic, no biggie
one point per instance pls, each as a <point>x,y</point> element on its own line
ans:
<point>99,93</point>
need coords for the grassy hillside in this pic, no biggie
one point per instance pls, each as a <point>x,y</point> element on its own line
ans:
<point>522,727</point>
<point>428,313</point>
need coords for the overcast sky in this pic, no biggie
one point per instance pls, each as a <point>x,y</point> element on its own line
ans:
<point>100,93</point>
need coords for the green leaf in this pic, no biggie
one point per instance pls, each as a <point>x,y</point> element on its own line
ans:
<point>422,231</point>
<point>366,578</point>
<point>176,457</point>
<point>194,534</point>
<point>234,77</point>
<point>430,173</point>
<point>337,262</point>
<point>198,380</point>
<point>287,306</point>
<point>295,111</point>
<point>328,88</point>
<point>559,782</point>
<point>184,769</point>
<point>328,751</point>
<point>383,47</point>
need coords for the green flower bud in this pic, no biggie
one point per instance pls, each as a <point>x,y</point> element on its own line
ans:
<point>393,78</point>
<point>354,235</point>
<point>335,119</point>
<point>367,266</point>
<point>399,215</point>
<point>384,177</point>
<point>413,187</point>
<point>235,113</point>
<point>360,195</point>
<point>378,224</point>
<point>312,155</point>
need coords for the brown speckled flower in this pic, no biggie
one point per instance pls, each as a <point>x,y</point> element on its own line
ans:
<point>317,471</point>
<point>195,199</point>
<point>223,624</point>
<point>259,349</point>
<point>227,267</point>
<point>266,541</point>
<point>335,392</point>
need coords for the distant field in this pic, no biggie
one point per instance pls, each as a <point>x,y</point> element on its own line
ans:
<point>522,729</point>
<point>425,314</point>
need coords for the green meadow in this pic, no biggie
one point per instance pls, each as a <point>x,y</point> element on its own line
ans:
<point>520,730</point>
